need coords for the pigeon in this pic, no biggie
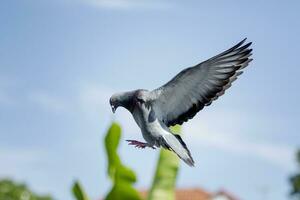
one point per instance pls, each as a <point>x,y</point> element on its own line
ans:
<point>181,99</point>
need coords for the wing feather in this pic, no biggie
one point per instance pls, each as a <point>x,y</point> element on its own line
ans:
<point>195,87</point>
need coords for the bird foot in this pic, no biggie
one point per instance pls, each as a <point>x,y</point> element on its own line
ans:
<point>140,145</point>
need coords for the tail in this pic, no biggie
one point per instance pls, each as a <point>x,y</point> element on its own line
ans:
<point>176,144</point>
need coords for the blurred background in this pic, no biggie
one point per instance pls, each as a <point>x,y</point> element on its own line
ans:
<point>61,60</point>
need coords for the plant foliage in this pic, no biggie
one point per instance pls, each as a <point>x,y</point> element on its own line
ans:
<point>121,176</point>
<point>166,173</point>
<point>9,190</point>
<point>78,191</point>
<point>295,180</point>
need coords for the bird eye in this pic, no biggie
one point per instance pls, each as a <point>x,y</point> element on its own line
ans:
<point>139,99</point>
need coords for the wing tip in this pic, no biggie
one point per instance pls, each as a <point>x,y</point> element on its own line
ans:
<point>245,46</point>
<point>239,43</point>
<point>190,162</point>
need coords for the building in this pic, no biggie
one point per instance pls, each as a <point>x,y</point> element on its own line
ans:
<point>199,194</point>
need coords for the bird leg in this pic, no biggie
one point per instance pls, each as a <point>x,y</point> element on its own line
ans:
<point>138,144</point>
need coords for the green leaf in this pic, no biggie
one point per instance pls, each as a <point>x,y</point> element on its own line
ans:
<point>295,180</point>
<point>78,192</point>
<point>121,176</point>
<point>112,139</point>
<point>10,190</point>
<point>166,173</point>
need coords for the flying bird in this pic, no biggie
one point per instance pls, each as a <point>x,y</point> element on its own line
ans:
<point>181,99</point>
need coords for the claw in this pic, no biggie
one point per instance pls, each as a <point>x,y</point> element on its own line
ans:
<point>140,145</point>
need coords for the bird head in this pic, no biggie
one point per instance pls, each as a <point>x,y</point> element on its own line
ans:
<point>114,102</point>
<point>123,99</point>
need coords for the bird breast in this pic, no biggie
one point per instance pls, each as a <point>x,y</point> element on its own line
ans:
<point>147,121</point>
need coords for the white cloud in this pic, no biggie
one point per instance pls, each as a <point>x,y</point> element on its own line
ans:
<point>227,135</point>
<point>48,102</point>
<point>94,102</point>
<point>93,97</point>
<point>127,4</point>
<point>13,161</point>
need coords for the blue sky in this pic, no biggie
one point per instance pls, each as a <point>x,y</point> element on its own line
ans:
<point>60,61</point>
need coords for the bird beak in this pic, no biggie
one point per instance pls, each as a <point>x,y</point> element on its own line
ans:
<point>113,108</point>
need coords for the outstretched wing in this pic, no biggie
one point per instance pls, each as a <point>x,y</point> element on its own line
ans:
<point>193,88</point>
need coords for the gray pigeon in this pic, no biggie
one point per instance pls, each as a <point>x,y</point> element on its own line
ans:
<point>181,98</point>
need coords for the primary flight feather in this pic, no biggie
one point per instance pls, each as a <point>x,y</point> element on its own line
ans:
<point>181,98</point>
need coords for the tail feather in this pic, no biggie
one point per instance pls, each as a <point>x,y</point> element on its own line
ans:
<point>176,144</point>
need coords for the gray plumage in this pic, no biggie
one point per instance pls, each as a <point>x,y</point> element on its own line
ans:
<point>181,98</point>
